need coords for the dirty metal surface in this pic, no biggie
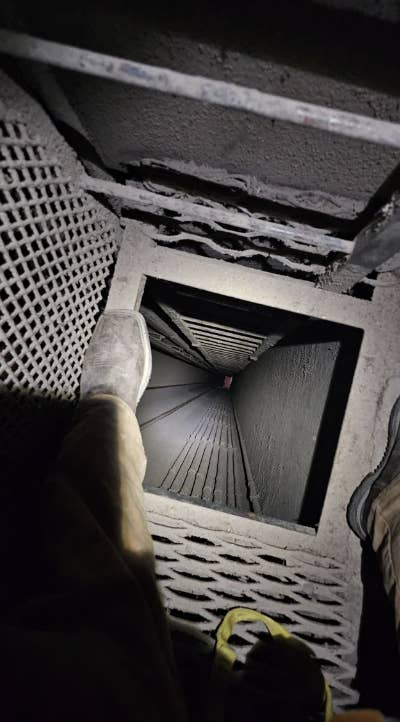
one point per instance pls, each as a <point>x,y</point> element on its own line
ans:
<point>207,90</point>
<point>377,244</point>
<point>366,413</point>
<point>232,233</point>
<point>191,208</point>
<point>205,571</point>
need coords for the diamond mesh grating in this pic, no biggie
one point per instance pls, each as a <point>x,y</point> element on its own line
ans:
<point>57,251</point>
<point>204,573</point>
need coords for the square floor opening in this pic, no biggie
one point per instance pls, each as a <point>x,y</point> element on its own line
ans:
<point>245,404</point>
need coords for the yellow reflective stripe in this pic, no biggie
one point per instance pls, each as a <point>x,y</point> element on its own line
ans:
<point>226,656</point>
<point>328,702</point>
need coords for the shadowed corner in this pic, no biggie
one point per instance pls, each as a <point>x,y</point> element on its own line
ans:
<point>378,657</point>
<point>279,681</point>
<point>31,430</point>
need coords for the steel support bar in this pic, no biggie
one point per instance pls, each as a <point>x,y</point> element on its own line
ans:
<point>260,287</point>
<point>206,90</point>
<point>220,215</point>
<point>316,242</point>
<point>374,245</point>
<point>251,252</point>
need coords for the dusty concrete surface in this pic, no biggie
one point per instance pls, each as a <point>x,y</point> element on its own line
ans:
<point>290,405</point>
<point>315,53</point>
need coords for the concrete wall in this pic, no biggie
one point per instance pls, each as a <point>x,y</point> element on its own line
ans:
<point>172,383</point>
<point>289,406</point>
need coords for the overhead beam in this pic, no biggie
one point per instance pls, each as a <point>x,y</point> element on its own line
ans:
<point>269,254</point>
<point>243,284</point>
<point>206,90</point>
<point>207,213</point>
<point>374,246</point>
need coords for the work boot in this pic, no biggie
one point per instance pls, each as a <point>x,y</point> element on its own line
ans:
<point>388,469</point>
<point>118,359</point>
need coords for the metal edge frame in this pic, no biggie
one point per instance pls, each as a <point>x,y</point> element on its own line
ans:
<point>141,258</point>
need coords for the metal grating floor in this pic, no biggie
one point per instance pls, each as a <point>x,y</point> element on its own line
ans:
<point>204,572</point>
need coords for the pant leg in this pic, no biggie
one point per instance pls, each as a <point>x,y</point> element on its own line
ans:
<point>103,461</point>
<point>384,531</point>
<point>96,645</point>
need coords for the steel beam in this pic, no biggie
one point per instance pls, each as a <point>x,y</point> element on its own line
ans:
<point>249,284</point>
<point>374,245</point>
<point>313,241</point>
<point>206,90</point>
<point>207,213</point>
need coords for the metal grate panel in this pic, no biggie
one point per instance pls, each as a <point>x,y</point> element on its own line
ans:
<point>227,348</point>
<point>57,251</point>
<point>203,573</point>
